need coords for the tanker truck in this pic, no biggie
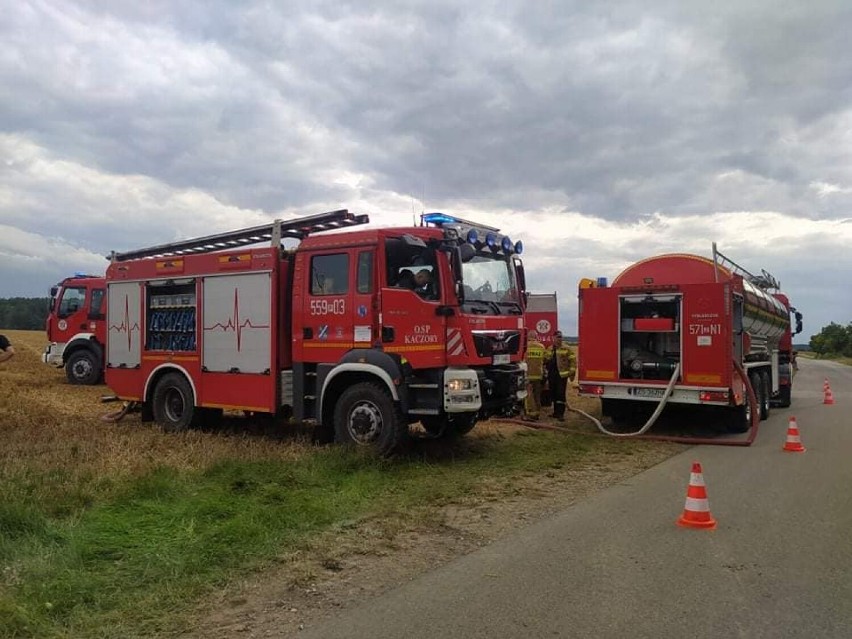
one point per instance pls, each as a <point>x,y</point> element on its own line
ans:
<point>688,330</point>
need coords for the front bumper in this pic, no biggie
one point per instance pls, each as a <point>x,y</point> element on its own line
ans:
<point>53,354</point>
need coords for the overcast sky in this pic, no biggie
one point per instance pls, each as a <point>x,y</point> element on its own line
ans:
<point>600,133</point>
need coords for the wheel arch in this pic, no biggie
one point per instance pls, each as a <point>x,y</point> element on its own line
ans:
<point>361,366</point>
<point>164,369</point>
<point>83,341</point>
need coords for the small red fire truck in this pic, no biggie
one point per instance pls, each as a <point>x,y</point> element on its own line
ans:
<point>76,328</point>
<point>360,331</point>
<point>707,328</point>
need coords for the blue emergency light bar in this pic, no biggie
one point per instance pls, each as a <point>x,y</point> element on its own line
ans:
<point>472,232</point>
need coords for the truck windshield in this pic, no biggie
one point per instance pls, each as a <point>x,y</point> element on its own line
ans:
<point>490,285</point>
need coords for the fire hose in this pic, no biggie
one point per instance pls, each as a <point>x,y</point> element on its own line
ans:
<point>116,416</point>
<point>651,419</point>
<point>640,434</point>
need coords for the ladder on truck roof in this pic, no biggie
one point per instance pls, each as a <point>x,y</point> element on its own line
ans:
<point>764,280</point>
<point>298,229</point>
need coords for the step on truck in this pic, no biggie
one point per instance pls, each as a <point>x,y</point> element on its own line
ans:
<point>707,326</point>
<point>361,332</point>
<point>76,328</point>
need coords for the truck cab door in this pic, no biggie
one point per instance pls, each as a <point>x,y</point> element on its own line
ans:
<point>412,322</point>
<point>71,314</point>
<point>323,323</point>
<point>365,316</point>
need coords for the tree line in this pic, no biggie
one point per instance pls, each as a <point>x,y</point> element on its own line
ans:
<point>23,313</point>
<point>833,340</point>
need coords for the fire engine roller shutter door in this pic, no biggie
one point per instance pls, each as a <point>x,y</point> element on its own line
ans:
<point>124,344</point>
<point>237,323</point>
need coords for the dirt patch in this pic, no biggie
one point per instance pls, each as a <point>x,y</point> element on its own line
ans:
<point>363,559</point>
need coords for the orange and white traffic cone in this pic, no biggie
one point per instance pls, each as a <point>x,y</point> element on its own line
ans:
<point>696,511</point>
<point>794,441</point>
<point>825,385</point>
<point>829,397</point>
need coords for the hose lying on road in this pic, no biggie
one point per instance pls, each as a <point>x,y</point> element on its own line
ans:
<point>640,434</point>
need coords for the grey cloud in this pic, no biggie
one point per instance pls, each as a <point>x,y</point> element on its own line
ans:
<point>167,118</point>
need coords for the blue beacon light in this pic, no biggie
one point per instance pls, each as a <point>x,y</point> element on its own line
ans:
<point>507,244</point>
<point>438,218</point>
<point>519,247</point>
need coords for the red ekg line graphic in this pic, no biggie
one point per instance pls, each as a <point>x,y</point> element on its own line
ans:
<point>234,323</point>
<point>125,324</point>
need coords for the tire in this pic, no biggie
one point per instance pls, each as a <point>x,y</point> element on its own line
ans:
<point>784,396</point>
<point>451,425</point>
<point>365,415</point>
<point>174,404</point>
<point>766,385</point>
<point>83,368</point>
<point>757,385</point>
<point>462,423</point>
<point>739,420</point>
<point>436,426</point>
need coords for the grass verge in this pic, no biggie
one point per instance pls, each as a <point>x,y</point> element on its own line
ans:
<point>130,564</point>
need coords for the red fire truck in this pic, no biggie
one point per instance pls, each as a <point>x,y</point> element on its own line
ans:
<point>362,331</point>
<point>542,316</point>
<point>706,327</point>
<point>76,328</point>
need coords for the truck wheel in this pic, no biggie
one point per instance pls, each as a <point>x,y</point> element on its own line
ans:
<point>436,426</point>
<point>83,368</point>
<point>757,386</point>
<point>740,418</point>
<point>462,423</point>
<point>452,425</point>
<point>365,415</point>
<point>174,405</point>
<point>784,396</point>
<point>766,385</point>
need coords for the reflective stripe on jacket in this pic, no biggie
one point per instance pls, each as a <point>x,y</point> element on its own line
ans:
<point>535,360</point>
<point>566,363</point>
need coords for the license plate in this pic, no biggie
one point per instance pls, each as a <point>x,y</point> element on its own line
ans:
<point>649,392</point>
<point>502,358</point>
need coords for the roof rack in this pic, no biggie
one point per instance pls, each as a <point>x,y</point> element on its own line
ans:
<point>298,228</point>
<point>764,280</point>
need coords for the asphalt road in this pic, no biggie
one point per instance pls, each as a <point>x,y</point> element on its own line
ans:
<point>779,564</point>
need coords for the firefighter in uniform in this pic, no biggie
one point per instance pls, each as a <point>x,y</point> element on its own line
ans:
<point>535,377</point>
<point>561,366</point>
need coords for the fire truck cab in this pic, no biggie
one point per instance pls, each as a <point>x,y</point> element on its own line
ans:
<point>75,327</point>
<point>362,332</point>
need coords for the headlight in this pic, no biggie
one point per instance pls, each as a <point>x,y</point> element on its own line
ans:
<point>459,385</point>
